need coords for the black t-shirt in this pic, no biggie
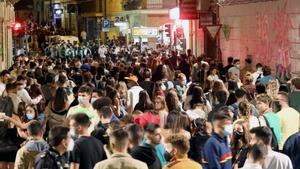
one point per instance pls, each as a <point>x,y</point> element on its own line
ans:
<point>87,152</point>
<point>148,86</point>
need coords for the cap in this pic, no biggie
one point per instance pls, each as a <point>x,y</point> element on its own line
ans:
<point>85,67</point>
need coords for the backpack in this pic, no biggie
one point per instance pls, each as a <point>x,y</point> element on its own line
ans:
<point>274,142</point>
<point>6,106</point>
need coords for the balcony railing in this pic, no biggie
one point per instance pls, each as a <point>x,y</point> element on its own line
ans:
<point>154,4</point>
<point>149,4</point>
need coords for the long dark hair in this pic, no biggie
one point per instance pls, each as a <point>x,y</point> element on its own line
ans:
<point>199,127</point>
<point>172,101</point>
<point>145,102</point>
<point>197,97</point>
<point>60,99</point>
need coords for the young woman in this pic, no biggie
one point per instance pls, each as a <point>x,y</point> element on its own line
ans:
<point>144,103</point>
<point>160,107</point>
<point>177,123</point>
<point>246,114</point>
<point>123,91</point>
<point>199,137</point>
<point>26,113</point>
<point>173,102</point>
<point>57,108</point>
<point>240,140</point>
<point>198,103</point>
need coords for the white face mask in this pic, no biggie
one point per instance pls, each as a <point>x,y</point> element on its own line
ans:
<point>93,99</point>
<point>228,129</point>
<point>70,145</point>
<point>30,115</point>
<point>82,100</point>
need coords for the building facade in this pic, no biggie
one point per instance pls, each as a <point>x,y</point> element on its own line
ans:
<point>269,31</point>
<point>7,16</point>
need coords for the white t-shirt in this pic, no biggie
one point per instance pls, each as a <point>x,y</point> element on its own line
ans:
<point>134,93</point>
<point>255,76</point>
<point>2,88</point>
<point>251,166</point>
<point>213,78</point>
<point>275,160</point>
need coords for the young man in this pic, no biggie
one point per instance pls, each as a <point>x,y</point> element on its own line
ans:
<point>292,148</point>
<point>221,96</point>
<point>134,90</point>
<point>87,149</point>
<point>105,114</point>
<point>84,96</point>
<point>289,117</point>
<point>96,94</point>
<point>294,96</point>
<point>4,76</point>
<point>248,68</point>
<point>147,84</point>
<point>229,64</point>
<point>273,159</point>
<point>256,157</point>
<point>267,116</point>
<point>258,75</point>
<point>144,153</point>
<point>177,146</point>
<point>23,93</point>
<point>235,70</point>
<point>153,138</point>
<point>55,157</point>
<point>217,153</point>
<point>240,95</point>
<point>120,159</point>
<point>34,145</point>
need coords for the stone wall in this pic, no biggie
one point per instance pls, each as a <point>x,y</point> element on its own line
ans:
<point>269,31</point>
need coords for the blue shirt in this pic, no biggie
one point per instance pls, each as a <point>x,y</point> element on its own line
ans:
<point>217,153</point>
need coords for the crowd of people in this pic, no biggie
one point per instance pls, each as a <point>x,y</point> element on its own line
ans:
<point>133,108</point>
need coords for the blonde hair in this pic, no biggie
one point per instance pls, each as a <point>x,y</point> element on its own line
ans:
<point>162,101</point>
<point>122,89</point>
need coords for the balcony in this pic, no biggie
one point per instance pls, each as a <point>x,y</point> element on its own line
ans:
<point>148,4</point>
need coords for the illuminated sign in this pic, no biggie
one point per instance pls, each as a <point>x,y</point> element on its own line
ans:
<point>149,32</point>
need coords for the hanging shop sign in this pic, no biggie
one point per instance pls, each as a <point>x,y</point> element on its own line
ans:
<point>188,9</point>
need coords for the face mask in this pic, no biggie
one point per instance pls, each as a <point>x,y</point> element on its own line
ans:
<point>73,133</point>
<point>238,66</point>
<point>227,130</point>
<point>30,116</point>
<point>168,156</point>
<point>70,145</point>
<point>93,99</point>
<point>163,87</point>
<point>82,100</point>
<point>237,135</point>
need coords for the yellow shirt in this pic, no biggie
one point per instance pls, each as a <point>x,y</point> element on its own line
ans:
<point>290,122</point>
<point>182,163</point>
